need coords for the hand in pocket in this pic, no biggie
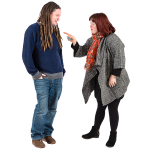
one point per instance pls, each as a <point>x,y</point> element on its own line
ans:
<point>42,76</point>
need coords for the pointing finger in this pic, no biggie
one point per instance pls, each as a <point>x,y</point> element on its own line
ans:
<point>66,33</point>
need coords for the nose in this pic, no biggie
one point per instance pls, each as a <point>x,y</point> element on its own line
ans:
<point>91,26</point>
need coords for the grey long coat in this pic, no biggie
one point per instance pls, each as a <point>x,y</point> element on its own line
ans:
<point>110,55</point>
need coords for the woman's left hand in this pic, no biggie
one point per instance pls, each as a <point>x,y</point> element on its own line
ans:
<point>112,80</point>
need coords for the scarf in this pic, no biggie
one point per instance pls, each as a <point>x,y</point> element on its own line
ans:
<point>92,52</point>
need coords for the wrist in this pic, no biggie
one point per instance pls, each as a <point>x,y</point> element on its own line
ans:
<point>113,75</point>
<point>74,43</point>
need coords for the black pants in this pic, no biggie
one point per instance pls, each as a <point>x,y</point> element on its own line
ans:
<point>112,107</point>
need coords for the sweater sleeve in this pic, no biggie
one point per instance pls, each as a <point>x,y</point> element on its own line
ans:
<point>28,48</point>
<point>61,57</point>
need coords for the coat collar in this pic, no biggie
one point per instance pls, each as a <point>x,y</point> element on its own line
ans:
<point>100,52</point>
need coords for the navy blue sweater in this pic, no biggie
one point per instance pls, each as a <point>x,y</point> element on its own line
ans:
<point>50,62</point>
<point>37,61</point>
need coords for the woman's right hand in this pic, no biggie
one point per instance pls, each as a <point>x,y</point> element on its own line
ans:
<point>73,39</point>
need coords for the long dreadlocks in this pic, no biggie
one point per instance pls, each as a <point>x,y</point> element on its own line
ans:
<point>46,28</point>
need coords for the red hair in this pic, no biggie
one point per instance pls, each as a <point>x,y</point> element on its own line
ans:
<point>103,24</point>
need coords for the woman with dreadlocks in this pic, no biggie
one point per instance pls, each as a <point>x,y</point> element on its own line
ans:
<point>104,65</point>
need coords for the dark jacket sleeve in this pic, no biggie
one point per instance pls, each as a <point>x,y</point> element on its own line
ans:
<point>116,72</point>
<point>75,48</point>
<point>61,57</point>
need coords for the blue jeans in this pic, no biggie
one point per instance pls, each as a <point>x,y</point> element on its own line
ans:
<point>48,93</point>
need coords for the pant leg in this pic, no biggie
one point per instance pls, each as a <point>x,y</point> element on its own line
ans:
<point>54,95</point>
<point>41,109</point>
<point>100,112</point>
<point>113,113</point>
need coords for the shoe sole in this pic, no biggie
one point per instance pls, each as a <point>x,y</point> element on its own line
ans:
<point>109,146</point>
<point>90,138</point>
<point>38,146</point>
<point>49,143</point>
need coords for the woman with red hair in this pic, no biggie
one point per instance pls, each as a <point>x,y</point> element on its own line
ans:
<point>105,72</point>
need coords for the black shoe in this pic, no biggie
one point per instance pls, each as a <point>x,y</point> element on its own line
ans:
<point>94,133</point>
<point>112,139</point>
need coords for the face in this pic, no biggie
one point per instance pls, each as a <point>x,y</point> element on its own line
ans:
<point>55,16</point>
<point>93,27</point>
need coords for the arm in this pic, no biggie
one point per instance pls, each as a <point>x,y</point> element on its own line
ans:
<point>28,48</point>
<point>80,51</point>
<point>62,60</point>
<point>116,48</point>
